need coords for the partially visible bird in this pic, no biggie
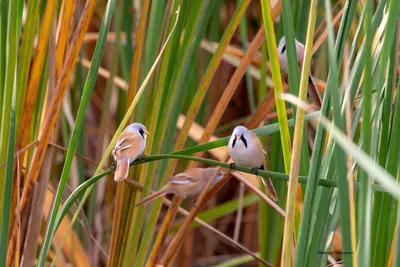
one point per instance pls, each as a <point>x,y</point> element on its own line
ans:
<point>283,62</point>
<point>189,183</point>
<point>245,149</point>
<point>130,145</point>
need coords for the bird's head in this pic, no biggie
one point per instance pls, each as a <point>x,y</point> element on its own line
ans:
<point>282,51</point>
<point>240,134</point>
<point>139,129</point>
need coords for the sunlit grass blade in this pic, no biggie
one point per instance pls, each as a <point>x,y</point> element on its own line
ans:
<point>249,81</point>
<point>87,92</point>
<point>26,52</point>
<point>286,258</point>
<point>190,117</point>
<point>386,180</point>
<point>55,106</point>
<point>276,76</point>
<point>365,203</point>
<point>304,250</point>
<point>121,126</point>
<point>10,82</point>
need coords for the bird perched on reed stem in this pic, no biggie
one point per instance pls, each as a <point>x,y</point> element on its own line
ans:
<point>189,183</point>
<point>245,149</point>
<point>130,146</point>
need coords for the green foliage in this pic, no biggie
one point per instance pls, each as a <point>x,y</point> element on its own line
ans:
<point>171,74</point>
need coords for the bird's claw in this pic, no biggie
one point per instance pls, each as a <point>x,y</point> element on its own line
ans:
<point>193,202</point>
<point>113,165</point>
<point>254,171</point>
<point>140,157</point>
<point>232,166</point>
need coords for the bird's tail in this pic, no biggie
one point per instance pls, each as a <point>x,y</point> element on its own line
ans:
<point>270,188</point>
<point>122,170</point>
<point>313,92</point>
<point>152,196</point>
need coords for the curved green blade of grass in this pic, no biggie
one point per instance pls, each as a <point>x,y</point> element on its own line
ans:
<point>177,94</point>
<point>238,261</point>
<point>276,76</point>
<point>249,81</point>
<point>365,201</point>
<point>80,190</point>
<point>310,203</point>
<point>5,218</point>
<point>192,112</point>
<point>117,133</point>
<point>278,89</point>
<point>385,179</point>
<point>294,74</point>
<point>396,260</point>
<point>26,54</point>
<point>339,155</point>
<point>382,218</point>
<point>297,143</point>
<point>271,128</point>
<point>8,122</point>
<point>87,92</point>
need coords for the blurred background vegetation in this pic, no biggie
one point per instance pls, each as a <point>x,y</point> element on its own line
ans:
<point>73,73</point>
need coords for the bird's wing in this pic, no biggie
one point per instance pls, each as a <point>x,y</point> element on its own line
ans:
<point>258,143</point>
<point>128,145</point>
<point>183,178</point>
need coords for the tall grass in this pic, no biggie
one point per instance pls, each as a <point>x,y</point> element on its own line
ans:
<point>74,73</point>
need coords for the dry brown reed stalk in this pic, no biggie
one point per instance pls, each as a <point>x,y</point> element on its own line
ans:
<point>53,111</point>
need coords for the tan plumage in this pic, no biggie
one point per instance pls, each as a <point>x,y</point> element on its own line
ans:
<point>245,148</point>
<point>130,145</point>
<point>186,184</point>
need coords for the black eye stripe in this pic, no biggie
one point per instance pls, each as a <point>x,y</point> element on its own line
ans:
<point>141,133</point>
<point>244,140</point>
<point>283,49</point>
<point>234,142</point>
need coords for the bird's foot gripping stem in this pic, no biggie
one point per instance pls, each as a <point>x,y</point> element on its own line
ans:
<point>232,166</point>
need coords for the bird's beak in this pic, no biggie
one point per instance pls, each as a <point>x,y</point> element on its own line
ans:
<point>238,138</point>
<point>146,132</point>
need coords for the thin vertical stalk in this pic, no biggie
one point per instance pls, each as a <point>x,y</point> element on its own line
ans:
<point>139,49</point>
<point>37,68</point>
<point>303,256</point>
<point>55,106</point>
<point>365,204</point>
<point>297,142</point>
<point>194,107</point>
<point>277,79</point>
<point>87,92</point>
<point>190,43</point>
<point>249,81</point>
<point>396,261</point>
<point>119,130</point>
<point>26,54</point>
<point>10,82</point>
<point>294,74</point>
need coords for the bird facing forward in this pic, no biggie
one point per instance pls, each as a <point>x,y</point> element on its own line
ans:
<point>130,145</point>
<point>283,62</point>
<point>186,184</point>
<point>246,150</point>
